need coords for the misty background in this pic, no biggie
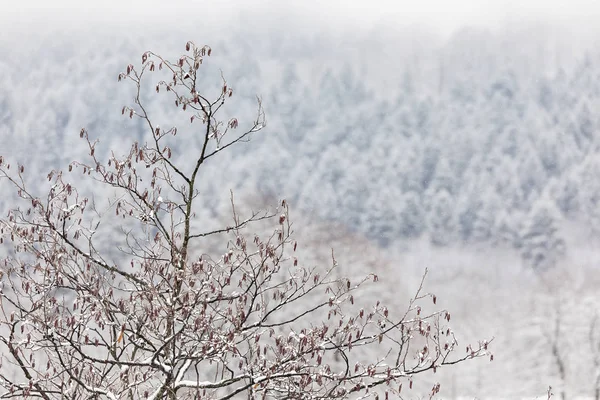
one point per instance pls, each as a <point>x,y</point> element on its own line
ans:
<point>462,136</point>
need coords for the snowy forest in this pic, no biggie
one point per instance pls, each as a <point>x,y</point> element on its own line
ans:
<point>476,155</point>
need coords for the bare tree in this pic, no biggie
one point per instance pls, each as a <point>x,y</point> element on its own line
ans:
<point>594,340</point>
<point>554,338</point>
<point>167,320</point>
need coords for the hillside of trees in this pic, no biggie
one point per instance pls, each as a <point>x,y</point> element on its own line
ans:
<point>469,140</point>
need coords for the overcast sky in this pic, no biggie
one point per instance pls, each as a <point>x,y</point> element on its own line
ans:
<point>443,15</point>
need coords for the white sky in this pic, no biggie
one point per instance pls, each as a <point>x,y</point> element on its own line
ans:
<point>444,15</point>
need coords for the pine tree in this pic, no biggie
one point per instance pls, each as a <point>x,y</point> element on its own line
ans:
<point>484,227</point>
<point>543,245</point>
<point>412,216</point>
<point>442,225</point>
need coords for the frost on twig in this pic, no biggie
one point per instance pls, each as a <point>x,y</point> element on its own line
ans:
<point>172,320</point>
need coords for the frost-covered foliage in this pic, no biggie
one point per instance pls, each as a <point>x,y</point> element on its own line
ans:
<point>457,140</point>
<point>170,317</point>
